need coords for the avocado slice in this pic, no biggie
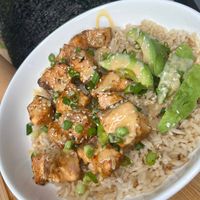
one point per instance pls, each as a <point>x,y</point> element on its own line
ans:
<point>170,79</point>
<point>184,101</point>
<point>155,54</point>
<point>129,67</point>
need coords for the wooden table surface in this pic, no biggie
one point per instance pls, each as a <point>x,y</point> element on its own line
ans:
<point>190,192</point>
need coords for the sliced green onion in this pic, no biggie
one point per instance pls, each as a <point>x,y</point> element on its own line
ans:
<point>136,88</point>
<point>44,128</point>
<point>55,96</point>
<point>162,111</point>
<point>95,78</point>
<point>29,128</point>
<point>139,146</point>
<point>90,85</point>
<point>90,51</point>
<point>156,81</point>
<point>113,139</point>
<point>72,73</point>
<point>126,161</point>
<point>127,73</point>
<point>51,57</point>
<point>69,145</point>
<point>66,101</point>
<point>79,128</point>
<point>122,131</point>
<point>78,49</point>
<point>57,115</point>
<point>105,55</point>
<point>92,131</point>
<point>89,151</point>
<point>102,135</point>
<point>88,177</point>
<point>74,101</point>
<point>80,188</point>
<point>67,124</point>
<point>150,158</point>
<point>63,61</point>
<point>53,63</point>
<point>33,154</point>
<point>95,119</point>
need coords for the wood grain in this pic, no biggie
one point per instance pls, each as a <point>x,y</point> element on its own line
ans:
<point>190,192</point>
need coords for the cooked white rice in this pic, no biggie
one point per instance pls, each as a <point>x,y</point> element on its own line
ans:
<point>173,148</point>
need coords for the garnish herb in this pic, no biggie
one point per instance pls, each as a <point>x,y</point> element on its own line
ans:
<point>57,115</point>
<point>126,161</point>
<point>88,177</point>
<point>92,131</point>
<point>73,74</point>
<point>139,146</point>
<point>29,128</point>
<point>102,135</point>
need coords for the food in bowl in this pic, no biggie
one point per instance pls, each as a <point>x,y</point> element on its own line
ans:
<point>117,111</point>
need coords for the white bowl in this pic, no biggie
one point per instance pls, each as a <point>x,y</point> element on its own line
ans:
<point>15,162</point>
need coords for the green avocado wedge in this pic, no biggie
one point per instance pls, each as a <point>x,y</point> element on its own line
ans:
<point>184,101</point>
<point>129,67</point>
<point>170,79</point>
<point>155,54</point>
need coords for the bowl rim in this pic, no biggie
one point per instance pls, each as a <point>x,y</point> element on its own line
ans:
<point>184,179</point>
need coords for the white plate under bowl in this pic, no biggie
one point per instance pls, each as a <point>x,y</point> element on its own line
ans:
<point>15,162</point>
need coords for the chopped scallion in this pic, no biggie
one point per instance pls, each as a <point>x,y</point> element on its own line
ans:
<point>88,177</point>
<point>78,49</point>
<point>114,139</point>
<point>90,51</point>
<point>55,96</point>
<point>52,57</point>
<point>92,131</point>
<point>102,135</point>
<point>57,115</point>
<point>126,161</point>
<point>29,128</point>
<point>136,88</point>
<point>72,73</point>
<point>139,146</point>
<point>66,101</point>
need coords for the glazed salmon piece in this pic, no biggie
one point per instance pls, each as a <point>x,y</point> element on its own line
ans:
<point>108,99</point>
<point>110,82</point>
<point>55,78</point>
<point>65,168</point>
<point>126,115</point>
<point>106,161</point>
<point>95,38</point>
<point>39,169</point>
<point>41,111</point>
